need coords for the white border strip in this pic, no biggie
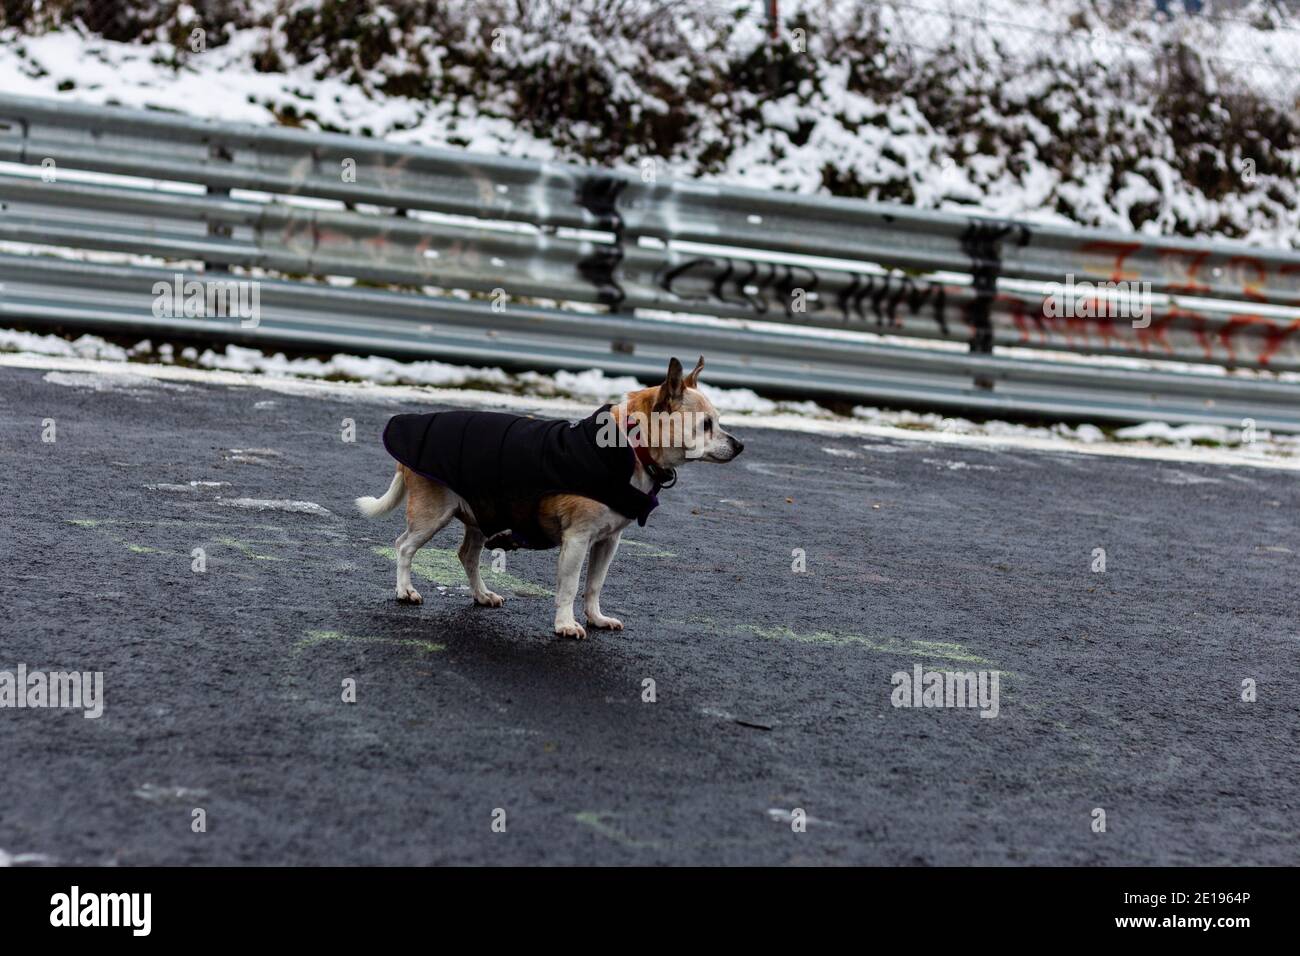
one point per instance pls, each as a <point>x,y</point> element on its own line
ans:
<point>561,407</point>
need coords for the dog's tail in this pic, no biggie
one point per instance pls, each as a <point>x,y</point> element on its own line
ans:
<point>374,507</point>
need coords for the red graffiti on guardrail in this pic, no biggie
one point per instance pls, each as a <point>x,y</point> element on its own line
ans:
<point>1240,338</point>
<point>1192,271</point>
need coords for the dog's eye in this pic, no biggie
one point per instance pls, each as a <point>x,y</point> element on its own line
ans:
<point>708,424</point>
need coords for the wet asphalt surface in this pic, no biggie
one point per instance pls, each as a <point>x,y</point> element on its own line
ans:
<point>223,689</point>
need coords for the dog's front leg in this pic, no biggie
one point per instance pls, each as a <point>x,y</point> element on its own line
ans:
<point>573,549</point>
<point>602,553</point>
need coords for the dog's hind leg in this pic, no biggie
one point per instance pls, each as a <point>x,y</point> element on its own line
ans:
<point>602,553</point>
<point>429,507</point>
<point>471,550</point>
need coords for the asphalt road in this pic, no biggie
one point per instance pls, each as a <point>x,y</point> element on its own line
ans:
<point>1119,690</point>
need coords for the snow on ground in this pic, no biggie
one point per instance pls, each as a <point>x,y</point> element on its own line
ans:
<point>24,859</point>
<point>275,504</point>
<point>221,84</point>
<point>90,362</point>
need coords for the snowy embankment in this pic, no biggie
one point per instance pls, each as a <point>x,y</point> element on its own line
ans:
<point>1054,110</point>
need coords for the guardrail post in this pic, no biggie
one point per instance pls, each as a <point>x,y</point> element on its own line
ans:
<point>599,194</point>
<point>982,242</point>
<point>215,228</point>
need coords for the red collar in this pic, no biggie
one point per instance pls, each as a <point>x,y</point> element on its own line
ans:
<point>661,476</point>
<point>643,456</point>
<point>642,451</point>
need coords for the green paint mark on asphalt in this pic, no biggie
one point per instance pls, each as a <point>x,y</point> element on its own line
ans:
<point>597,822</point>
<point>649,550</point>
<point>886,645</point>
<point>955,647</point>
<point>172,523</point>
<point>244,548</point>
<point>314,638</point>
<point>943,650</point>
<point>442,566</point>
<point>140,548</point>
<point>94,523</point>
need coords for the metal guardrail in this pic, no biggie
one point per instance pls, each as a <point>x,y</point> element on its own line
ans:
<point>621,249</point>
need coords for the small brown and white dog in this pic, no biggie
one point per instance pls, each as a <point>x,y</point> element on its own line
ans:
<point>664,427</point>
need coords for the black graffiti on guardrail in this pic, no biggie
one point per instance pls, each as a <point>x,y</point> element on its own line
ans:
<point>756,286</point>
<point>887,292</point>
<point>982,242</point>
<point>744,283</point>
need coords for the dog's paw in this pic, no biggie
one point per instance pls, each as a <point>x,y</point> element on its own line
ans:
<point>574,630</point>
<point>489,599</point>
<point>605,623</point>
<point>409,596</point>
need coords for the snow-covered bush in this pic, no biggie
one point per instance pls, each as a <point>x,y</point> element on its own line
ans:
<point>1087,111</point>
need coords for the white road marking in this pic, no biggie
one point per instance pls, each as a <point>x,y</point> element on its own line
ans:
<point>275,504</point>
<point>20,859</point>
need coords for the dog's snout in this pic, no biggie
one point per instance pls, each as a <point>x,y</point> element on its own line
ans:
<point>737,446</point>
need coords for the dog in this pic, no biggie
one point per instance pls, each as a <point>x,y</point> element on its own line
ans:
<point>522,482</point>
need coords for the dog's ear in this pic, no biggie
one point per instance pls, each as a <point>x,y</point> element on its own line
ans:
<point>673,388</point>
<point>693,380</point>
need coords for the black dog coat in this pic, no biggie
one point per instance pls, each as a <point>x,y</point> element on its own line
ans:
<point>504,464</point>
